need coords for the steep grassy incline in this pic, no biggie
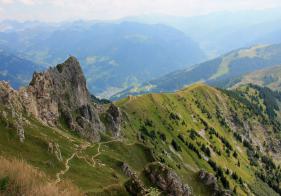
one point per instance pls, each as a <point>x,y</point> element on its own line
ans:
<point>198,128</point>
<point>194,128</point>
<point>63,155</point>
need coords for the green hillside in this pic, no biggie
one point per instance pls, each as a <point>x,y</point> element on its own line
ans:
<point>222,71</point>
<point>197,128</point>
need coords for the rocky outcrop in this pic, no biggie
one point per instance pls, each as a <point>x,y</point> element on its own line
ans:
<point>127,170</point>
<point>54,149</point>
<point>114,120</point>
<point>210,181</point>
<point>134,185</point>
<point>166,180</point>
<point>20,131</point>
<point>10,100</point>
<point>60,94</point>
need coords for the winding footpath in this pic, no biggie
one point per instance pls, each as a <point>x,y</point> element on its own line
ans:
<point>67,166</point>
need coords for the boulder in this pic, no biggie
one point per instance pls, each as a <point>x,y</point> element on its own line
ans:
<point>167,180</point>
<point>210,181</point>
<point>134,185</point>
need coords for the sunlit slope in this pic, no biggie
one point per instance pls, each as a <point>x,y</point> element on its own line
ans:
<point>192,118</point>
<point>197,128</point>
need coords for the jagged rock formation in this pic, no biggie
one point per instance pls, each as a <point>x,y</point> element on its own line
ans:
<point>134,185</point>
<point>114,119</point>
<point>210,181</point>
<point>61,92</point>
<point>60,95</point>
<point>127,170</point>
<point>167,180</point>
<point>10,99</point>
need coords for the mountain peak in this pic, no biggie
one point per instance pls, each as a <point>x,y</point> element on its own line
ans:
<point>70,63</point>
<point>61,92</point>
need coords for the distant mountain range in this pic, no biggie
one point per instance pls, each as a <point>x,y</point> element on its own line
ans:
<point>17,71</point>
<point>222,71</point>
<point>221,32</point>
<point>113,55</point>
<point>116,55</point>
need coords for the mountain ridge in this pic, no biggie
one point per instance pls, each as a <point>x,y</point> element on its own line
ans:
<point>200,140</point>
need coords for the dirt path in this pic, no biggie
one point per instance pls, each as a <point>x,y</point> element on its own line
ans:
<point>66,165</point>
<point>82,147</point>
<point>99,152</point>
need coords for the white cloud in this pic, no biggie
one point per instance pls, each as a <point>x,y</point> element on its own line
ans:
<point>112,9</point>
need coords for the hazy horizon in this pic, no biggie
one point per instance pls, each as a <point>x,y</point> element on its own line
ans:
<point>62,10</point>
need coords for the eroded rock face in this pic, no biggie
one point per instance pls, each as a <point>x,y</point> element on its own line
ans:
<point>60,93</point>
<point>210,181</point>
<point>134,185</point>
<point>167,180</point>
<point>11,101</point>
<point>114,120</point>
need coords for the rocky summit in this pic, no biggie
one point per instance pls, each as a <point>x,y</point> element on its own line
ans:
<point>60,95</point>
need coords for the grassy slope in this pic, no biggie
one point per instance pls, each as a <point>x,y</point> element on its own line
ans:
<point>158,107</point>
<point>96,167</point>
<point>105,174</point>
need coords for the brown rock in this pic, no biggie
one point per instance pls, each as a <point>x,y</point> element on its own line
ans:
<point>59,92</point>
<point>114,120</point>
<point>167,180</point>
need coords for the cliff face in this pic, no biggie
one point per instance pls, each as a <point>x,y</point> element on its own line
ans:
<point>58,95</point>
<point>61,87</point>
<point>61,93</point>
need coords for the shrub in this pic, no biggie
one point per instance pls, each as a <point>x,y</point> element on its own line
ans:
<point>193,134</point>
<point>235,154</point>
<point>234,176</point>
<point>162,136</point>
<point>206,150</point>
<point>174,116</point>
<point>248,145</point>
<point>181,137</point>
<point>237,136</point>
<point>224,182</point>
<point>4,183</point>
<point>148,123</point>
<point>176,146</point>
<point>194,149</point>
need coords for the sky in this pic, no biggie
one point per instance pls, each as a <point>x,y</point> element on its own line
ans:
<point>67,10</point>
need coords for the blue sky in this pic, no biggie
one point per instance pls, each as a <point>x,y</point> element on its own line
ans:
<point>61,10</point>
